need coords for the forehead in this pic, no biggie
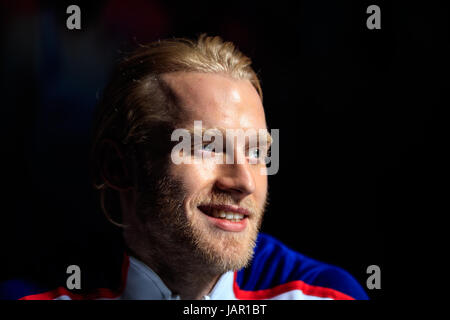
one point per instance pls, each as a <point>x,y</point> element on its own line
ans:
<point>218,100</point>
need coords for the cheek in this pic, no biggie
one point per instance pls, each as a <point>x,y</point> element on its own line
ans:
<point>197,180</point>
<point>195,177</point>
<point>261,188</point>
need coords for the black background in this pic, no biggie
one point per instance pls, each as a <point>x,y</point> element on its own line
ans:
<point>353,107</point>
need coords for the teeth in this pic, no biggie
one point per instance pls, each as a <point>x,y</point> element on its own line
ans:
<point>238,216</point>
<point>235,217</point>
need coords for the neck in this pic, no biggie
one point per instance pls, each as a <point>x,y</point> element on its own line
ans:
<point>190,283</point>
<point>186,279</point>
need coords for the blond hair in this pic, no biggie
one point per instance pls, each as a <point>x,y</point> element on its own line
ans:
<point>138,106</point>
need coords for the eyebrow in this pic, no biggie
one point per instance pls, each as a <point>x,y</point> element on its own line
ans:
<point>222,131</point>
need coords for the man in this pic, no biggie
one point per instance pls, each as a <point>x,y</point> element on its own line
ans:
<point>191,227</point>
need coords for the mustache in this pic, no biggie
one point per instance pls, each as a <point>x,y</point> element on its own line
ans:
<point>226,200</point>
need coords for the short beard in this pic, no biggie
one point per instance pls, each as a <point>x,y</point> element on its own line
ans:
<point>172,240</point>
<point>221,249</point>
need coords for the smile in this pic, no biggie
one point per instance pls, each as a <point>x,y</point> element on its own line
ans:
<point>226,217</point>
<point>235,217</point>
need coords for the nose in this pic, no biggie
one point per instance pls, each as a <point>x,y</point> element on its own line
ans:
<point>236,180</point>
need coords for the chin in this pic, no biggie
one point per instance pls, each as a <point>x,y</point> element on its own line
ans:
<point>223,250</point>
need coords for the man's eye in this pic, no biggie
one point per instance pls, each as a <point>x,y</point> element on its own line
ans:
<point>254,153</point>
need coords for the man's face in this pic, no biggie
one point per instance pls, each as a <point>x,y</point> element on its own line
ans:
<point>205,191</point>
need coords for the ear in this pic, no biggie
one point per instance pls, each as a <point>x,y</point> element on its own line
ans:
<point>113,166</point>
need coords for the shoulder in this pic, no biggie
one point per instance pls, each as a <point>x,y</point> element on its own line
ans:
<point>278,272</point>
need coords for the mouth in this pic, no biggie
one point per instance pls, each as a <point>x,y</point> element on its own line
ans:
<point>227,212</point>
<point>226,217</point>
